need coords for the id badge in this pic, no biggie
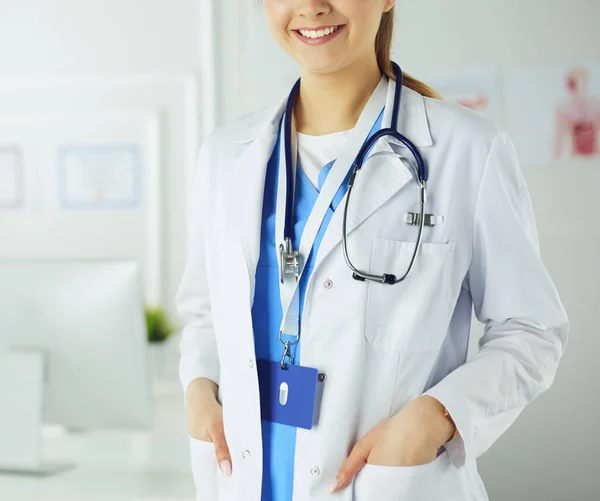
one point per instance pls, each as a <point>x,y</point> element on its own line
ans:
<point>287,396</point>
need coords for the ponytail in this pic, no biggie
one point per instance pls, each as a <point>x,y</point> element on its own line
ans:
<point>383,47</point>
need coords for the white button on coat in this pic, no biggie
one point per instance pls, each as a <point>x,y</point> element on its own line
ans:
<point>387,344</point>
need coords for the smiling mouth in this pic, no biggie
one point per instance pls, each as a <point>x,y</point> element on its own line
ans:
<point>320,33</point>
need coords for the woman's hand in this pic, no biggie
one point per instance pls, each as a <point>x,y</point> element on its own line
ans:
<point>410,438</point>
<point>205,419</point>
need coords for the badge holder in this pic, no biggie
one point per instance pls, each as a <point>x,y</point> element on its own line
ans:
<point>289,394</point>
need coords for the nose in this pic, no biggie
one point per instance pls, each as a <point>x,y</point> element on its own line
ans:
<point>313,9</point>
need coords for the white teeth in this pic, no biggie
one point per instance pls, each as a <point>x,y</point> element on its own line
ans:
<point>318,33</point>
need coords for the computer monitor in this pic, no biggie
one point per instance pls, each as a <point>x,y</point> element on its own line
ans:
<point>80,324</point>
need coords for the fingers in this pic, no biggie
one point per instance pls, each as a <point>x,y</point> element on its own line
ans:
<point>205,420</point>
<point>217,435</point>
<point>356,460</point>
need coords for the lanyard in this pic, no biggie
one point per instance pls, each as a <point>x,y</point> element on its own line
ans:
<point>288,287</point>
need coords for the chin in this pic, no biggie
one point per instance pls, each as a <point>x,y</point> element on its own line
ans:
<point>321,67</point>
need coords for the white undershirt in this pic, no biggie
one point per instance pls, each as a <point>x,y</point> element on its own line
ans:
<point>315,152</point>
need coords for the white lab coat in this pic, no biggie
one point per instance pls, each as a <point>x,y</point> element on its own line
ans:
<point>381,346</point>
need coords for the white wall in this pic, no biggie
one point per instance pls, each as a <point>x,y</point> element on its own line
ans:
<point>551,452</point>
<point>92,36</point>
<point>113,40</point>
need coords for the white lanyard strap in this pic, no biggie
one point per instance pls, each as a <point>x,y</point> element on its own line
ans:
<point>290,297</point>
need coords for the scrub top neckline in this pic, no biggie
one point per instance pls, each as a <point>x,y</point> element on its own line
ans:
<point>333,136</point>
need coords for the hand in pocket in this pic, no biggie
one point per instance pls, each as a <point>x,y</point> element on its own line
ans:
<point>205,419</point>
<point>410,438</point>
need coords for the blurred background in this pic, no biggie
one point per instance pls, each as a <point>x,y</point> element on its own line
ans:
<point>103,104</point>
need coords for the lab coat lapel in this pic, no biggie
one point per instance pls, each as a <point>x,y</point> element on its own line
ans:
<point>247,181</point>
<point>385,173</point>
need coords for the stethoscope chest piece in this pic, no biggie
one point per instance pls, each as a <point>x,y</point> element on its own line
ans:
<point>289,261</point>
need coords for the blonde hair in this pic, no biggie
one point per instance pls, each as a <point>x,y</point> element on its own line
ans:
<point>383,47</point>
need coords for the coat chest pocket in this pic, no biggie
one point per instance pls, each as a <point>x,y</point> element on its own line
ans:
<point>413,314</point>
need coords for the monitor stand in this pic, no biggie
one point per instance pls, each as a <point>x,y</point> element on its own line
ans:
<point>22,379</point>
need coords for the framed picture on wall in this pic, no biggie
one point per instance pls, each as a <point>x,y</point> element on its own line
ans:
<point>100,177</point>
<point>12,177</point>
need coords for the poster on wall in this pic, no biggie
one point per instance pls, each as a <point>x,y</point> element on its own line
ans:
<point>479,90</point>
<point>12,179</point>
<point>554,113</point>
<point>100,177</point>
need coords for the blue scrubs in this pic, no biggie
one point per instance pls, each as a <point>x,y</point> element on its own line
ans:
<point>279,441</point>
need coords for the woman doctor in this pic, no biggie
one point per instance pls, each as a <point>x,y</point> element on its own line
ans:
<point>324,355</point>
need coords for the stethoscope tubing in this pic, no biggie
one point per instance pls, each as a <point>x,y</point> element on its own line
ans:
<point>421,175</point>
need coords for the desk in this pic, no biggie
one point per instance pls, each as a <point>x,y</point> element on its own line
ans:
<point>116,465</point>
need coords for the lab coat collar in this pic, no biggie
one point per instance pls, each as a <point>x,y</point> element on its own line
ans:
<point>266,127</point>
<point>412,118</point>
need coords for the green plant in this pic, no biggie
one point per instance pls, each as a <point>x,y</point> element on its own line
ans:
<point>159,324</point>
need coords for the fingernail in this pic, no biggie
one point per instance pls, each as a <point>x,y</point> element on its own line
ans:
<point>334,486</point>
<point>225,467</point>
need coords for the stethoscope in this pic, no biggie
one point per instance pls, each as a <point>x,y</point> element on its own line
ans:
<point>290,259</point>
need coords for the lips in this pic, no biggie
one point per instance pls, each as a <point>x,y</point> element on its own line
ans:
<point>318,35</point>
<point>317,32</point>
